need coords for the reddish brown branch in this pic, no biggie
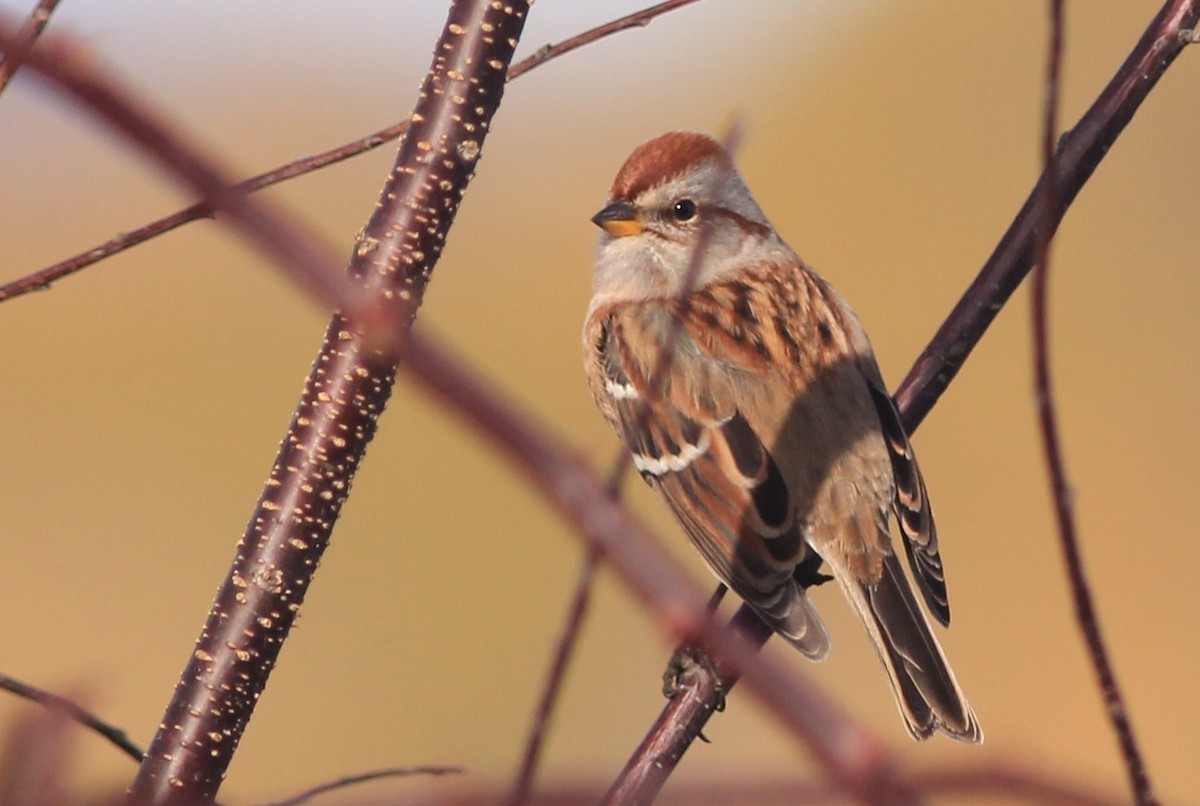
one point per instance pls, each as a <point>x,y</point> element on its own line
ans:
<point>1085,611</point>
<point>681,721</point>
<point>336,417</point>
<point>620,466</point>
<point>851,755</point>
<point>564,650</point>
<point>44,278</point>
<point>351,380</point>
<point>1078,155</point>
<point>74,712</point>
<point>1079,152</point>
<point>638,19</point>
<point>35,23</point>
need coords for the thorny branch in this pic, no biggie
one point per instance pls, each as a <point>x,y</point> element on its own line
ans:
<point>335,420</point>
<point>853,757</point>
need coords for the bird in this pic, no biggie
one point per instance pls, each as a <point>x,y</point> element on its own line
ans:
<point>749,396</point>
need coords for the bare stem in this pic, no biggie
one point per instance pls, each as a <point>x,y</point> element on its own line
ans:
<point>74,712</point>
<point>564,650</point>
<point>1085,611</point>
<point>851,755</point>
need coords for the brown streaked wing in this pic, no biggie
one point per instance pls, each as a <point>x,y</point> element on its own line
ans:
<point>717,476</point>
<point>912,509</point>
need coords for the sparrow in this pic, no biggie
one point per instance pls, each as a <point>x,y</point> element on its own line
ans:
<point>747,392</point>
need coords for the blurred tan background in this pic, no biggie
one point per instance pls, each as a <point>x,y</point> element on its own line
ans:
<point>890,142</point>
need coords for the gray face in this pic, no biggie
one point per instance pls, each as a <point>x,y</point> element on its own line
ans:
<point>650,255</point>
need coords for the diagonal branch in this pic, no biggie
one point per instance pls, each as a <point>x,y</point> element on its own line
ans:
<point>853,757</point>
<point>35,23</point>
<point>43,278</point>
<point>335,420</point>
<point>349,385</point>
<point>1079,153</point>
<point>657,378</point>
<point>563,650</point>
<point>75,712</point>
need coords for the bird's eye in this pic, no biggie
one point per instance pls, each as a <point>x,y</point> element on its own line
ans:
<point>684,210</point>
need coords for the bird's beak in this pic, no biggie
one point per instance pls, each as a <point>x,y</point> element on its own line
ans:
<point>619,219</point>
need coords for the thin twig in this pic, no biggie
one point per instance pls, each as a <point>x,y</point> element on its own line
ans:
<point>44,278</point>
<point>278,235</point>
<point>361,778</point>
<point>638,19</point>
<point>858,762</point>
<point>75,712</point>
<point>564,650</point>
<point>1079,152</point>
<point>35,23</point>
<point>1085,611</point>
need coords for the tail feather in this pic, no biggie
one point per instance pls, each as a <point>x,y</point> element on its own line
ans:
<point>797,621</point>
<point>926,692</point>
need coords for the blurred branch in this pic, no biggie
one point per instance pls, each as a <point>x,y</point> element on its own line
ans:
<point>1079,152</point>
<point>564,649</point>
<point>851,755</point>
<point>43,278</point>
<point>30,31</point>
<point>1006,783</point>
<point>658,378</point>
<point>73,711</point>
<point>1060,487</point>
<point>277,234</point>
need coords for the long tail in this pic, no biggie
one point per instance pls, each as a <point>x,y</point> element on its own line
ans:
<point>926,692</point>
